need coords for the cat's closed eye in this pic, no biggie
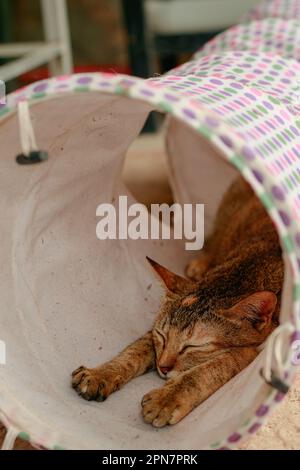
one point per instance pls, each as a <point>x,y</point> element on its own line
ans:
<point>161,335</point>
<point>193,346</point>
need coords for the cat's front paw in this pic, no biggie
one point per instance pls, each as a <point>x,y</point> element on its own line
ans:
<point>94,384</point>
<point>163,406</point>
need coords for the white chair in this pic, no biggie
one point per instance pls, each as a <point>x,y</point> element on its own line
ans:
<point>182,26</point>
<point>167,17</point>
<point>55,50</point>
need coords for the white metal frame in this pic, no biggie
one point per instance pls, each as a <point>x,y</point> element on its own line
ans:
<point>55,50</point>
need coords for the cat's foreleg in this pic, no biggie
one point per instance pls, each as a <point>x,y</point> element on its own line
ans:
<point>172,402</point>
<point>99,382</point>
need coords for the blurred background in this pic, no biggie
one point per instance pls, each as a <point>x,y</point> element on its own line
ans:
<point>42,38</point>
<point>140,37</point>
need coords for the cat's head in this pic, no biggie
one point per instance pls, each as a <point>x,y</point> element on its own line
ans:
<point>194,324</point>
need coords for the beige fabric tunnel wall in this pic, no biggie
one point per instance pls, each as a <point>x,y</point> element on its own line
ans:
<point>68,298</point>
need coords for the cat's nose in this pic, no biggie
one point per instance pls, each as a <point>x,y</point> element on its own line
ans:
<point>165,369</point>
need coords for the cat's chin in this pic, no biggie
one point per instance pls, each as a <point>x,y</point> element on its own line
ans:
<point>163,376</point>
<point>172,374</point>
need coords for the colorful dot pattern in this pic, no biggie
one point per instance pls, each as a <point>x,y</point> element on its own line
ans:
<point>273,35</point>
<point>285,9</point>
<point>269,73</point>
<point>242,92</point>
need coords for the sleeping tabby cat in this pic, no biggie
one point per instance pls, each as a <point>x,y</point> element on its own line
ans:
<point>209,326</point>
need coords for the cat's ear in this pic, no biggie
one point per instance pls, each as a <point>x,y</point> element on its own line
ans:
<point>257,308</point>
<point>172,282</point>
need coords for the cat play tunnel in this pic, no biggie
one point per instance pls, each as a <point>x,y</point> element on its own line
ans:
<point>68,298</point>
